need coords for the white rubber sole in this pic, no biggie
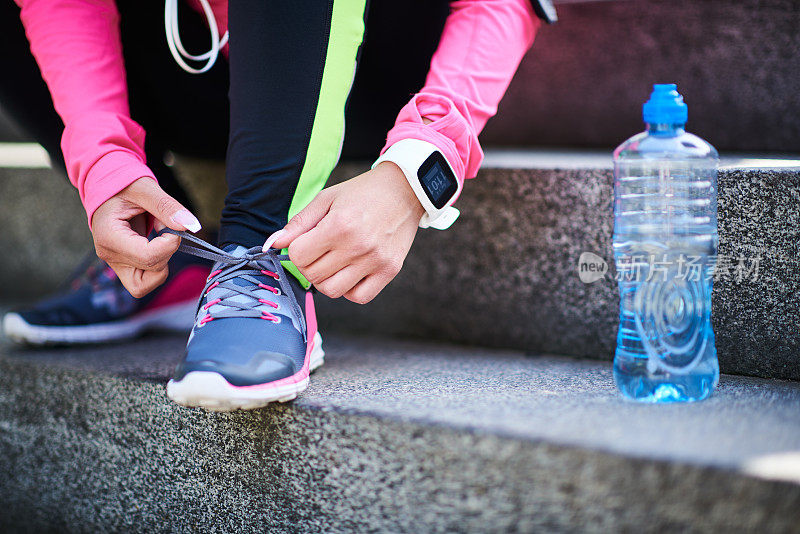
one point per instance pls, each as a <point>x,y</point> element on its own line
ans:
<point>175,318</point>
<point>211,391</point>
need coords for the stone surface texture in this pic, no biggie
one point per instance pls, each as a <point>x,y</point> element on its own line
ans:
<point>757,323</point>
<point>391,436</point>
<point>506,274</point>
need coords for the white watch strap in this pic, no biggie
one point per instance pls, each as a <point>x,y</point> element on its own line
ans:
<point>409,155</point>
<point>444,221</point>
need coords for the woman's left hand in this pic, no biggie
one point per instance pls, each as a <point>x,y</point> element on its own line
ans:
<point>352,239</point>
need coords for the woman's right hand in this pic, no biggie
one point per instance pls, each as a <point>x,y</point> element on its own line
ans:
<point>119,229</point>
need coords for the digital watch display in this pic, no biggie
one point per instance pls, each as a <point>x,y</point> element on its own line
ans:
<point>438,181</point>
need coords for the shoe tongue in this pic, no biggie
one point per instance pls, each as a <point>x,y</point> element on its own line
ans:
<point>235,250</point>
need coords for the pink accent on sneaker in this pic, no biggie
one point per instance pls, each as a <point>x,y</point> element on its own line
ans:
<point>186,286</point>
<point>270,273</point>
<point>311,322</point>
<point>215,301</point>
<point>269,317</point>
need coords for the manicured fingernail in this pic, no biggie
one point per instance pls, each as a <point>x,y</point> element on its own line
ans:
<point>271,240</point>
<point>187,220</point>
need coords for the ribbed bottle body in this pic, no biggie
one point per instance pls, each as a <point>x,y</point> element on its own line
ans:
<point>665,246</point>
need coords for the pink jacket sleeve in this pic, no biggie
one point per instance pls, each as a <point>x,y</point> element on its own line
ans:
<point>481,47</point>
<point>77,46</point>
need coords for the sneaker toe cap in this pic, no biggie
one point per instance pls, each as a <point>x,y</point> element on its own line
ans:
<point>245,351</point>
<point>262,368</point>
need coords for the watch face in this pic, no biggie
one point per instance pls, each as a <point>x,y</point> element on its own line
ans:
<point>438,181</point>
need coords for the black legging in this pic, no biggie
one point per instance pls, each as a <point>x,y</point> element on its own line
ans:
<point>278,52</point>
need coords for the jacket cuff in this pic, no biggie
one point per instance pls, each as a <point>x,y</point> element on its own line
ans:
<point>449,131</point>
<point>108,176</point>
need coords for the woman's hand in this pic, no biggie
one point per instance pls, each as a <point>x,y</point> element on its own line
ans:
<point>352,239</point>
<point>119,229</point>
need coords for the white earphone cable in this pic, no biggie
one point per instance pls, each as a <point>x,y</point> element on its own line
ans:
<point>176,46</point>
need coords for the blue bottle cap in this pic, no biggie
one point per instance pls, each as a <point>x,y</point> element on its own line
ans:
<point>665,106</point>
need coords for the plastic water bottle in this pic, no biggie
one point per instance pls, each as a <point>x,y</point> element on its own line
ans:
<point>665,246</point>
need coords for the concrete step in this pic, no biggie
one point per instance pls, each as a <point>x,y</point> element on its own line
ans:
<point>506,274</point>
<point>391,436</point>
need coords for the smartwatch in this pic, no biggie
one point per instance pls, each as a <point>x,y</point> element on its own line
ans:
<point>431,177</point>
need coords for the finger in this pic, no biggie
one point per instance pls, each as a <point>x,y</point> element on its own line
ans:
<point>149,280</point>
<point>304,221</point>
<point>326,266</point>
<point>341,282</point>
<point>147,194</point>
<point>310,246</point>
<point>164,246</point>
<point>124,246</point>
<point>138,282</point>
<point>270,242</point>
<point>367,289</point>
<point>125,275</point>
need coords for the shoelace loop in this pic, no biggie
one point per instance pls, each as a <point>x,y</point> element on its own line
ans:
<point>253,262</point>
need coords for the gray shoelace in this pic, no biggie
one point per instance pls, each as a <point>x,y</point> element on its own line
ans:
<point>246,267</point>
